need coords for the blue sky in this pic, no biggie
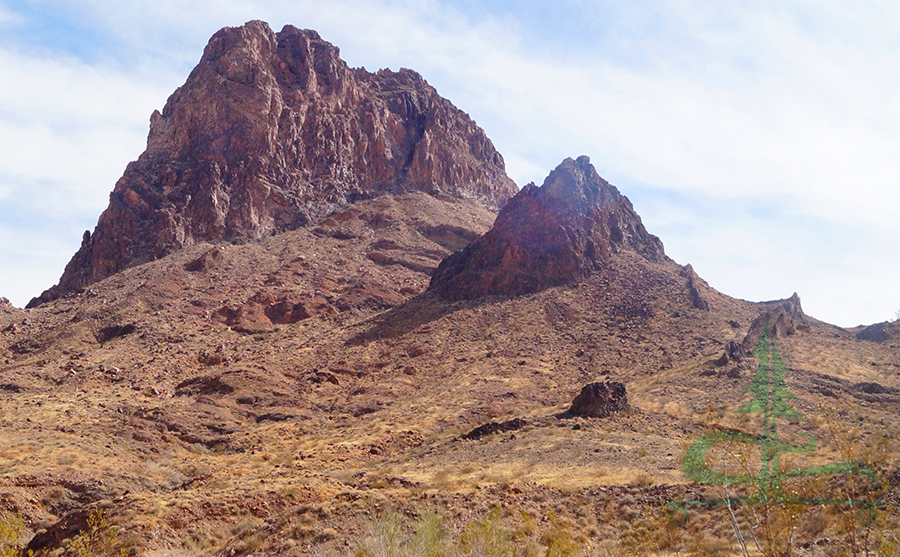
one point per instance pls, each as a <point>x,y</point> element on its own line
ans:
<point>758,140</point>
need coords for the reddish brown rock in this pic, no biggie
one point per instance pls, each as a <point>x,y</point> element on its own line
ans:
<point>273,131</point>
<point>259,313</point>
<point>548,236</point>
<point>247,318</point>
<point>286,310</point>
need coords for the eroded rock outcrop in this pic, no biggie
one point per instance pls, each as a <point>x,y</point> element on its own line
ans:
<point>273,131</point>
<point>548,236</point>
<point>599,400</point>
<point>783,317</point>
<point>695,286</point>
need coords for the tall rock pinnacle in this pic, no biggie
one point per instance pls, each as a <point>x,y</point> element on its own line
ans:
<point>272,131</point>
<point>548,236</point>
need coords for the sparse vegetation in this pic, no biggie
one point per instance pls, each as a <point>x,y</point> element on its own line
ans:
<point>430,535</point>
<point>100,539</point>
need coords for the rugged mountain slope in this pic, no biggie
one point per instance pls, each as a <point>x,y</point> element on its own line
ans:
<point>881,332</point>
<point>273,131</point>
<point>7,308</point>
<point>263,397</point>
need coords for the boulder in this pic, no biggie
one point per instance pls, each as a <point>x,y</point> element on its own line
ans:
<point>494,427</point>
<point>599,400</point>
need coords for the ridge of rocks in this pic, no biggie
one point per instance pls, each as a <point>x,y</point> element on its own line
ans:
<point>548,236</point>
<point>271,132</point>
<point>880,332</point>
<point>782,317</point>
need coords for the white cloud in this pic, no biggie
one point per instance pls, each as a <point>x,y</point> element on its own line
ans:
<point>70,127</point>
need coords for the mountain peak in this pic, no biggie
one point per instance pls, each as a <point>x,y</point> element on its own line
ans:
<point>577,183</point>
<point>271,132</point>
<point>548,236</point>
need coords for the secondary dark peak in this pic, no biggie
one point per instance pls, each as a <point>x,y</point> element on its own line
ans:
<point>271,132</point>
<point>881,332</point>
<point>548,236</point>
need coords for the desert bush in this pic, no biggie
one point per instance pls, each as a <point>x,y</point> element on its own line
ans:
<point>99,540</point>
<point>486,537</point>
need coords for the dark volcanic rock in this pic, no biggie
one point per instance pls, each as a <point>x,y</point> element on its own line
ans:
<point>880,332</point>
<point>599,400</point>
<point>495,427</point>
<point>734,352</point>
<point>548,236</point>
<point>273,131</point>
<point>115,331</point>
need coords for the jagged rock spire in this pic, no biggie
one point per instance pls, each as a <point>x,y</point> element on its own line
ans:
<point>548,236</point>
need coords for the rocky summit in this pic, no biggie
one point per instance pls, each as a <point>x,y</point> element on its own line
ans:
<point>548,236</point>
<point>273,131</point>
<point>302,328</point>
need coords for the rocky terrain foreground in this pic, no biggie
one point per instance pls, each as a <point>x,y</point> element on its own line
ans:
<point>318,319</point>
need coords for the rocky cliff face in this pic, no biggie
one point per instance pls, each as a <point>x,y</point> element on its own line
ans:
<point>273,131</point>
<point>548,236</point>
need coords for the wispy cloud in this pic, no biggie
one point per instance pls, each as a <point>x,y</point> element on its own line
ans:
<point>9,18</point>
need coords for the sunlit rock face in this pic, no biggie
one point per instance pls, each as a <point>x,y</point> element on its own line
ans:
<point>273,131</point>
<point>548,236</point>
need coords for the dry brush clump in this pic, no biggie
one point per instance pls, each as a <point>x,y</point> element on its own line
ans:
<point>99,539</point>
<point>501,533</point>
